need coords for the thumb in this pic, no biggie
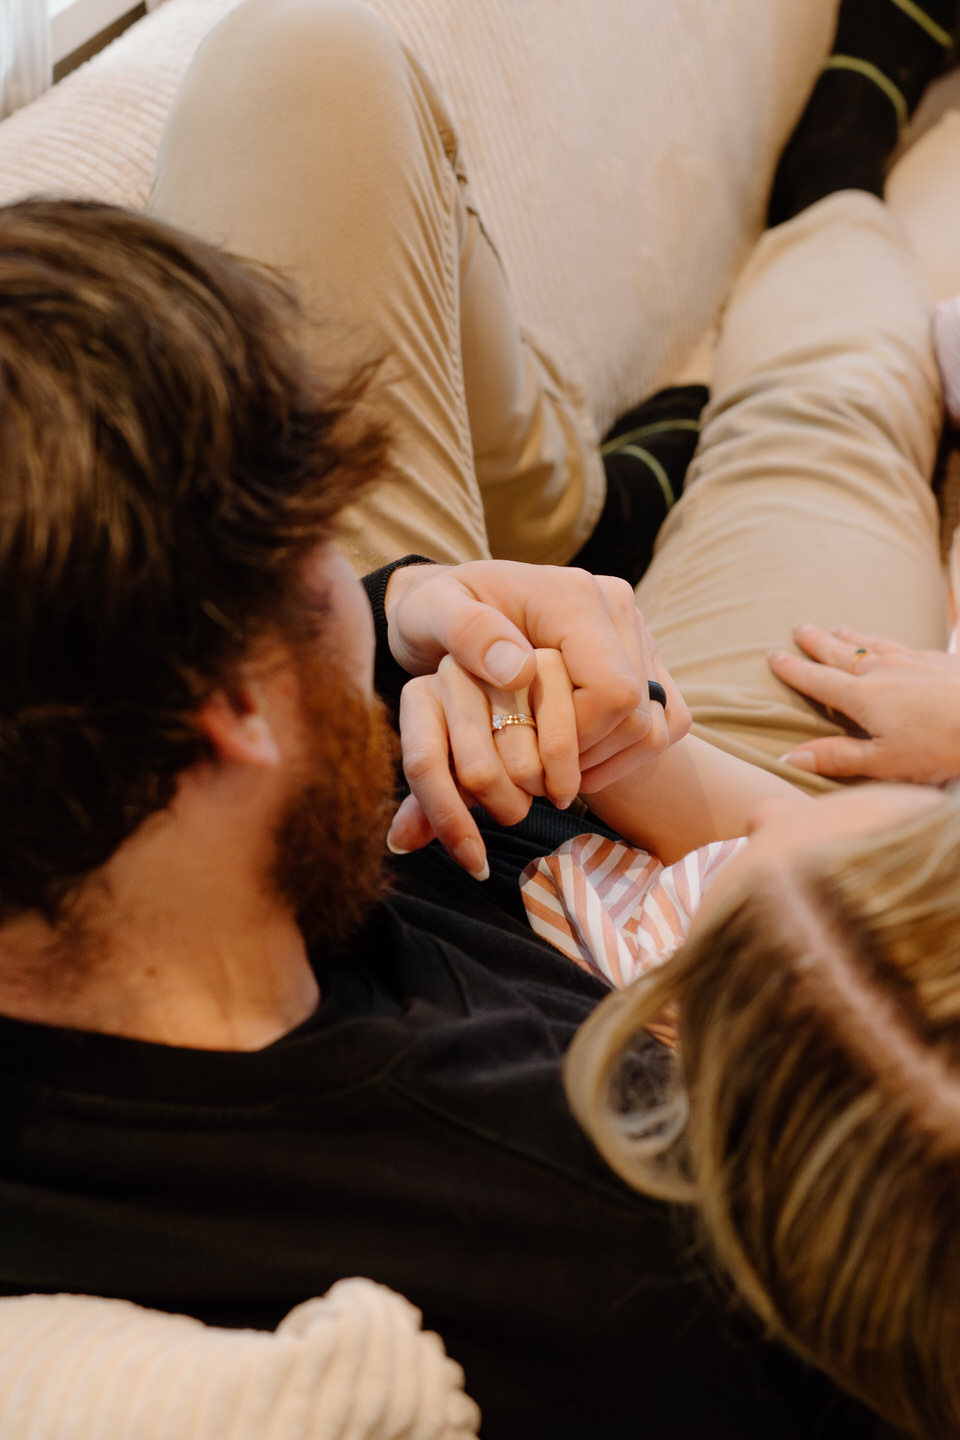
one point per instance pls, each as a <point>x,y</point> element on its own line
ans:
<point>837,755</point>
<point>485,643</point>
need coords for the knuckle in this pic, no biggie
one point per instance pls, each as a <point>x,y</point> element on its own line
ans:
<point>581,579</point>
<point>660,739</point>
<point>623,693</point>
<point>478,776</point>
<point>619,595</point>
<point>528,775</point>
<point>635,728</point>
<point>418,762</point>
<point>447,822</point>
<point>526,785</point>
<point>515,808</point>
<point>414,691</point>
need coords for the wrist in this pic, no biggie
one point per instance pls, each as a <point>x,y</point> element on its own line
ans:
<point>409,650</point>
<point>402,577</point>
<point>390,673</point>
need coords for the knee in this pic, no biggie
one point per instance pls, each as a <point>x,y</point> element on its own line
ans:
<point>296,46</point>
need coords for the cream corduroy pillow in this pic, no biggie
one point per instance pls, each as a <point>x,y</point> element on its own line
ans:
<point>354,1365</point>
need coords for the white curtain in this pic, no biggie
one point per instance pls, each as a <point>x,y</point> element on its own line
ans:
<point>25,64</point>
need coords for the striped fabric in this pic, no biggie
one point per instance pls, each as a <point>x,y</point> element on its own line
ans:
<point>616,910</point>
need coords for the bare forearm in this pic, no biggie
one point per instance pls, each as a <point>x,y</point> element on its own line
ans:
<point>694,793</point>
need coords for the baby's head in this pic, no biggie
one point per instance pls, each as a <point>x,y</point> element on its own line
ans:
<point>814,1120</point>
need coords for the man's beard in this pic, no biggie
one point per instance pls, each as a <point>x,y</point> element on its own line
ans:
<point>331,838</point>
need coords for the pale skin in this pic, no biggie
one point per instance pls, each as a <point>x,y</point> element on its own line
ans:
<point>675,798</point>
<point>588,736</point>
<point>679,793</point>
<point>907,702</point>
<point>783,829</point>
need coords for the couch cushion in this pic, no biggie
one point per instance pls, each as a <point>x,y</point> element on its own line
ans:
<point>621,151</point>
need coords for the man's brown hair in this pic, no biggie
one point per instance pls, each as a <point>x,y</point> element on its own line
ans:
<point>168,457</point>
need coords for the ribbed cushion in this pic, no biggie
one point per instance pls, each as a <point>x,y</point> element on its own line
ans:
<point>97,132</point>
<point>352,1366</point>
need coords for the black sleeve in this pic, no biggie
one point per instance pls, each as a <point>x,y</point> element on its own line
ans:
<point>388,677</point>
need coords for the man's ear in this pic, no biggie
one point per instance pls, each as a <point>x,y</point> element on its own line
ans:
<point>238,728</point>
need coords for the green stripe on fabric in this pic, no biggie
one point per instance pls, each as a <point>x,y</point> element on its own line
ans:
<point>656,469</point>
<point>872,72</point>
<point>657,427</point>
<point>935,31</point>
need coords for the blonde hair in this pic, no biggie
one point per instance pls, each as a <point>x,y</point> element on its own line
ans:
<point>813,1116</point>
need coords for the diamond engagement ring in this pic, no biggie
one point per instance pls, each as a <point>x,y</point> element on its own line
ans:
<point>500,722</point>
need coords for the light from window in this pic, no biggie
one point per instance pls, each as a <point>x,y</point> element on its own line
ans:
<point>74,22</point>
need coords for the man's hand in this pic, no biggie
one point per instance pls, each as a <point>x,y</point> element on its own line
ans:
<point>907,702</point>
<point>490,615</point>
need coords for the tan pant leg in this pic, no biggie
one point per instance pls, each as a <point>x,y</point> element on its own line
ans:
<point>537,458</point>
<point>809,497</point>
<point>305,136</point>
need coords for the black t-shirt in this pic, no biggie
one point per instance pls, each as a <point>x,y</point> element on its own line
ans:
<point>415,1131</point>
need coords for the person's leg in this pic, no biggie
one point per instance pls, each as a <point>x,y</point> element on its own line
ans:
<point>885,53</point>
<point>536,454</point>
<point>646,457</point>
<point>809,498</point>
<point>307,137</point>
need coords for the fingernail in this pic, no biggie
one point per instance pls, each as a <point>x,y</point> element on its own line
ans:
<point>565,803</point>
<point>394,848</point>
<point>504,661</point>
<point>801,760</point>
<point>776,654</point>
<point>802,625</point>
<point>470,854</point>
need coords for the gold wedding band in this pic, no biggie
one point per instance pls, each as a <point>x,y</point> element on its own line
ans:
<point>858,655</point>
<point>500,722</point>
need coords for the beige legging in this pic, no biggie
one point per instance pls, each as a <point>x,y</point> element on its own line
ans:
<point>809,497</point>
<point>305,135</point>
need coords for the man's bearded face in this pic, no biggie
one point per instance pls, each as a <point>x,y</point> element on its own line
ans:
<point>331,838</point>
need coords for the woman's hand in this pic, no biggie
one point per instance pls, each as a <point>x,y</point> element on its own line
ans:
<point>907,702</point>
<point>453,758</point>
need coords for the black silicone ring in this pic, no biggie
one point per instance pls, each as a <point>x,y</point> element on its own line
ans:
<point>657,693</point>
